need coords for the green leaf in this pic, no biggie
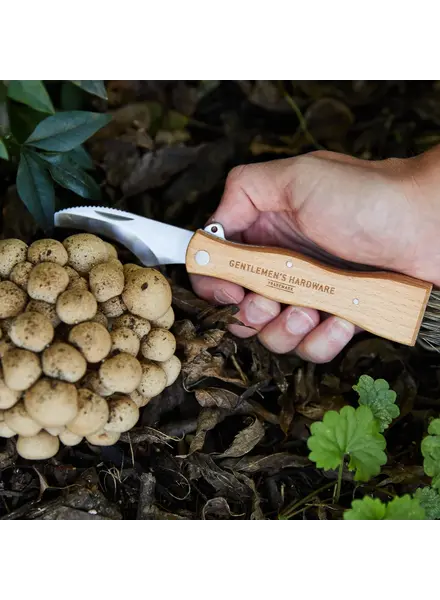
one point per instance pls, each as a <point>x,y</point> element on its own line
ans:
<point>64,131</point>
<point>431,453</point>
<point>429,499</point>
<point>82,158</point>
<point>71,97</point>
<point>404,508</point>
<point>23,119</point>
<point>349,432</point>
<point>377,395</point>
<point>68,174</point>
<point>35,188</point>
<point>3,150</point>
<point>31,93</point>
<point>96,88</point>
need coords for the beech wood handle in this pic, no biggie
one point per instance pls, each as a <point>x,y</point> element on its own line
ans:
<point>386,304</point>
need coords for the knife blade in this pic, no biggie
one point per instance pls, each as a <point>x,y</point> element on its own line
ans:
<point>387,304</point>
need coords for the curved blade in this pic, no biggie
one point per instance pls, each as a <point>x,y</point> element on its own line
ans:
<point>153,242</point>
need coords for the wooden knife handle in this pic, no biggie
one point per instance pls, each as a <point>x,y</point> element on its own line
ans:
<point>386,304</point>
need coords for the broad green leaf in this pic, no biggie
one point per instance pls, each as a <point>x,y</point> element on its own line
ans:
<point>24,120</point>
<point>3,150</point>
<point>429,499</point>
<point>404,508</point>
<point>350,432</point>
<point>35,188</point>
<point>377,395</point>
<point>97,88</point>
<point>71,97</point>
<point>82,158</point>
<point>64,131</point>
<point>31,93</point>
<point>431,453</point>
<point>68,174</point>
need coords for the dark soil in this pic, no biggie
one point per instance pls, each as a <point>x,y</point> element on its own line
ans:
<point>228,439</point>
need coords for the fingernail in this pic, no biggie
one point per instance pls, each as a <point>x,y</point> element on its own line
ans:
<point>341,330</point>
<point>299,322</point>
<point>222,297</point>
<point>260,310</point>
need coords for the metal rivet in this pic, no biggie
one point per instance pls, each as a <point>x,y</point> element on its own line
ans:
<point>289,264</point>
<point>202,257</point>
<point>356,301</point>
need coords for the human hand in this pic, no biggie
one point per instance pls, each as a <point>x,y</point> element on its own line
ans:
<point>377,213</point>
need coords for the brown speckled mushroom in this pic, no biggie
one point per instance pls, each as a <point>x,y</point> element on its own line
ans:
<point>12,251</point>
<point>153,380</point>
<point>85,250</point>
<point>111,251</point>
<point>47,250</point>
<point>63,361</point>
<point>76,305</point>
<point>172,368</point>
<point>47,281</point>
<point>121,373</point>
<point>8,397</point>
<point>5,431</point>
<point>125,340</point>
<point>5,346</point>
<point>20,274</point>
<point>140,326</point>
<point>100,318</point>
<point>103,438</point>
<point>106,281</point>
<point>129,269</point>
<point>93,413</point>
<point>159,345</point>
<point>166,321</point>
<point>115,262</point>
<point>70,439</point>
<point>38,447</point>
<point>12,299</point>
<point>124,414</point>
<point>137,398</point>
<point>147,294</point>
<point>46,309</point>
<point>112,308</point>
<point>93,382</point>
<point>92,340</point>
<point>52,403</point>
<point>31,331</point>
<point>19,420</point>
<point>21,369</point>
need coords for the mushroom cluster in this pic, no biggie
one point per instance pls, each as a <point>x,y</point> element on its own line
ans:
<point>85,343</point>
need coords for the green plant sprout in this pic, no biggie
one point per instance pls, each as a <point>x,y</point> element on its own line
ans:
<point>48,144</point>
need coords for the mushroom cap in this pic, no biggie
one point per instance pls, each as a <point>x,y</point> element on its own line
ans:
<point>12,251</point>
<point>100,318</point>
<point>92,339</point>
<point>5,431</point>
<point>71,273</point>
<point>31,331</point>
<point>8,397</point>
<point>5,326</point>
<point>93,382</point>
<point>121,373</point>
<point>52,403</point>
<point>38,447</point>
<point>103,438</point>
<point>111,250</point>
<point>63,361</point>
<point>46,309</point>
<point>93,413</point>
<point>129,269</point>
<point>70,439</point>
<point>116,263</point>
<point>55,430</point>
<point>125,340</point>
<point>21,368</point>
<point>5,346</point>
<point>114,307</point>
<point>78,284</point>
<point>124,414</point>
<point>147,294</point>
<point>158,345</point>
<point>47,250</point>
<point>12,299</point>
<point>85,250</point>
<point>172,368</point>
<point>106,281</point>
<point>19,420</point>
<point>47,281</point>
<point>20,274</point>
<point>137,398</point>
<point>166,321</point>
<point>76,305</point>
<point>153,380</point>
<point>140,326</point>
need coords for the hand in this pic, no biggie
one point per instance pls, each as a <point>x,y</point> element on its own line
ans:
<point>382,213</point>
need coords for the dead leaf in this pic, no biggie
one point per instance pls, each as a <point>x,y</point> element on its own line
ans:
<point>217,397</point>
<point>218,508</point>
<point>287,404</point>
<point>245,441</point>
<point>226,484</point>
<point>270,464</point>
<point>192,344</point>
<point>205,366</point>
<point>316,409</point>
<point>208,419</point>
<point>265,94</point>
<point>328,119</point>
